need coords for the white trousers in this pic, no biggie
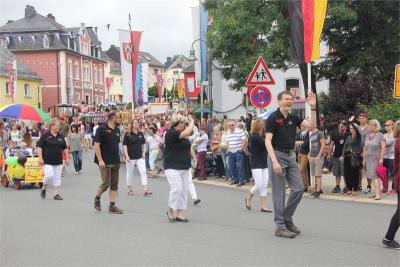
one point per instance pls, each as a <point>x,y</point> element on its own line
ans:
<point>260,181</point>
<point>52,173</point>
<point>192,189</point>
<point>141,165</point>
<point>152,159</point>
<point>178,181</point>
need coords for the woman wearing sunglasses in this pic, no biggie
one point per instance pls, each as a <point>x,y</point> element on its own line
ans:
<point>388,159</point>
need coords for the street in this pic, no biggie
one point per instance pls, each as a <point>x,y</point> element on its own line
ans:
<point>36,232</point>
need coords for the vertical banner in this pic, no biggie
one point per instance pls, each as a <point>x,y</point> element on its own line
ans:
<point>196,45</point>
<point>129,51</point>
<point>159,81</point>
<point>203,42</point>
<point>145,82</point>
<point>139,85</point>
<point>12,78</point>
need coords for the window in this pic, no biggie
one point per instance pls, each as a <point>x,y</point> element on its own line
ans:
<point>100,100</point>
<point>101,77</point>
<point>45,41</point>
<point>95,76</point>
<point>7,88</point>
<point>27,90</point>
<point>292,85</point>
<point>76,71</point>
<point>86,99</point>
<point>95,100</point>
<point>70,73</point>
<point>190,85</point>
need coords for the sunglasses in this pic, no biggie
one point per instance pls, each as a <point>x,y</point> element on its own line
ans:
<point>387,125</point>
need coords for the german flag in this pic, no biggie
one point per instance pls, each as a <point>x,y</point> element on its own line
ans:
<point>306,22</point>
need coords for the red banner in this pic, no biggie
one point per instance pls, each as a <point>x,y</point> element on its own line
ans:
<point>135,43</point>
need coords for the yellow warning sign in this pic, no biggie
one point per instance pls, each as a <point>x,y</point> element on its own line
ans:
<point>397,81</point>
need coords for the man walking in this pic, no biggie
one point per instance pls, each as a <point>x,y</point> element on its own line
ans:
<point>106,146</point>
<point>280,142</point>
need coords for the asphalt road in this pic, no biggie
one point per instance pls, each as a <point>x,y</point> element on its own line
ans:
<point>36,232</point>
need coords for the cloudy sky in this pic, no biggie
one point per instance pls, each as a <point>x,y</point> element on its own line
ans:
<point>166,24</point>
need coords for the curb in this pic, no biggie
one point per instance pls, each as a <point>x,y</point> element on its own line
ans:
<point>323,196</point>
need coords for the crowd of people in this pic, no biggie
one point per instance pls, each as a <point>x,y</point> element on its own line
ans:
<point>283,150</point>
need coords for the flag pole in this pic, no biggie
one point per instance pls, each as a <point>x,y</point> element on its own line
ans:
<point>307,107</point>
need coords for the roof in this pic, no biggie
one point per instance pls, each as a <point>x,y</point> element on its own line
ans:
<point>115,67</point>
<point>114,53</point>
<point>23,71</point>
<point>189,69</point>
<point>181,62</point>
<point>92,34</point>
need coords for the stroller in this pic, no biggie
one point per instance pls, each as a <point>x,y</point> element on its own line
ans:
<point>210,165</point>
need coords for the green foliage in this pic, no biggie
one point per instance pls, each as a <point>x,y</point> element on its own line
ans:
<point>387,110</point>
<point>242,31</point>
<point>153,91</point>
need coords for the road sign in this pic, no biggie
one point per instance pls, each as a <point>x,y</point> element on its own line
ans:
<point>260,74</point>
<point>397,81</point>
<point>260,96</point>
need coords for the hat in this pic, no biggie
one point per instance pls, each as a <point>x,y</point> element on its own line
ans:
<point>177,118</point>
<point>363,114</point>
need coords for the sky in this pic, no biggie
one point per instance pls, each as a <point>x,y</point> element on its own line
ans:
<point>166,24</point>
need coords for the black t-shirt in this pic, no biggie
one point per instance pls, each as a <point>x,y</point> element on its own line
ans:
<point>259,154</point>
<point>305,147</point>
<point>52,148</point>
<point>177,151</point>
<point>339,141</point>
<point>109,144</point>
<point>134,143</point>
<point>283,130</point>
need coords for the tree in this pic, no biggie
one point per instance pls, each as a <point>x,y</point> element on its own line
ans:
<point>241,31</point>
<point>153,91</point>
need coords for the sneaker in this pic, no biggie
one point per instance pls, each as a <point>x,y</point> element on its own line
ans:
<point>284,233</point>
<point>115,210</point>
<point>97,205</point>
<point>316,194</point>
<point>292,228</point>
<point>58,197</point>
<point>43,193</point>
<point>360,188</point>
<point>336,189</point>
<point>233,182</point>
<point>393,244</point>
<point>240,184</point>
<point>345,190</point>
<point>197,201</point>
<point>368,191</point>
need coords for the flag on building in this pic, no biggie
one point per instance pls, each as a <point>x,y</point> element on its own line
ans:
<point>306,22</point>
<point>12,78</point>
<point>129,51</point>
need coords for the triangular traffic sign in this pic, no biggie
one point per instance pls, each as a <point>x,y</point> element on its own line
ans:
<point>260,74</point>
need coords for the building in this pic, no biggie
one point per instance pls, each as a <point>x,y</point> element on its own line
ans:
<point>68,59</point>
<point>174,71</point>
<point>192,89</point>
<point>113,80</point>
<point>155,66</point>
<point>28,89</point>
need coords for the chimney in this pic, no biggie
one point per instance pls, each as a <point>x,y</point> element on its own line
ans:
<point>169,60</point>
<point>29,11</point>
<point>83,26</point>
<point>50,16</point>
<point>9,21</point>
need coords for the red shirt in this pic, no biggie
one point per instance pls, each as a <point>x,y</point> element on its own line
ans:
<point>396,177</point>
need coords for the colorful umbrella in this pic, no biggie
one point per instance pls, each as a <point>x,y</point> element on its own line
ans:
<point>23,112</point>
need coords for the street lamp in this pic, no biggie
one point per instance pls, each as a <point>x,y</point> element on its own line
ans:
<point>192,57</point>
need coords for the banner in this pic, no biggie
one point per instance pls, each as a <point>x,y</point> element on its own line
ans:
<point>145,82</point>
<point>203,42</point>
<point>180,84</point>
<point>196,36</point>
<point>139,85</point>
<point>306,22</point>
<point>12,78</point>
<point>159,82</point>
<point>129,51</point>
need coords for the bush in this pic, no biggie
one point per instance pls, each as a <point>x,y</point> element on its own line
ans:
<point>387,110</point>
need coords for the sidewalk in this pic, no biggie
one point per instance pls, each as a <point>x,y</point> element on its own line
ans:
<point>328,183</point>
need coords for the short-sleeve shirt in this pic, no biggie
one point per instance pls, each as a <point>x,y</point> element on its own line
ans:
<point>283,130</point>
<point>177,151</point>
<point>108,139</point>
<point>339,141</point>
<point>52,148</point>
<point>259,154</point>
<point>315,143</point>
<point>134,143</point>
<point>235,140</point>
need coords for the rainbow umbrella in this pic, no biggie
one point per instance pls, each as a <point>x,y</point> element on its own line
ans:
<point>23,112</point>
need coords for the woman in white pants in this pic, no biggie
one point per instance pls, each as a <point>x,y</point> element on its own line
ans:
<point>259,165</point>
<point>135,154</point>
<point>154,149</point>
<point>177,166</point>
<point>50,149</point>
<point>192,189</point>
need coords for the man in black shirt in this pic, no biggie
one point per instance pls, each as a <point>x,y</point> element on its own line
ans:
<point>337,143</point>
<point>106,146</point>
<point>280,138</point>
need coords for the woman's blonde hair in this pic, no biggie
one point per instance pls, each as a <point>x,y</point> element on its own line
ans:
<point>257,126</point>
<point>396,129</point>
<point>176,119</point>
<point>53,122</point>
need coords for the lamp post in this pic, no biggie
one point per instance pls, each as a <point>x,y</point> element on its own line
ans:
<point>192,57</point>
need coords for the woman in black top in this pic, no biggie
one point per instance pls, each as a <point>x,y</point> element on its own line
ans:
<point>259,165</point>
<point>351,156</point>
<point>177,165</point>
<point>135,153</point>
<point>50,149</point>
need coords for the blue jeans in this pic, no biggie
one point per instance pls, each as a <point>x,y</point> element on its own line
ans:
<point>77,157</point>
<point>225,159</point>
<point>236,166</point>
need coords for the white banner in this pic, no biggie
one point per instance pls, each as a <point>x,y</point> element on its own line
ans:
<point>126,65</point>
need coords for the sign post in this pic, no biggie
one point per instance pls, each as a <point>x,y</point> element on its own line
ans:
<point>260,96</point>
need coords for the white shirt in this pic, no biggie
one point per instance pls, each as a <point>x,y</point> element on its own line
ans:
<point>235,140</point>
